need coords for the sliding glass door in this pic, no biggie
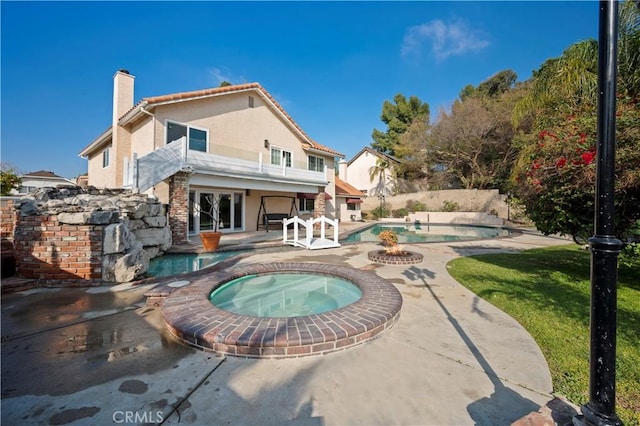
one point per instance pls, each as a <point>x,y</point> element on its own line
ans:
<point>229,214</point>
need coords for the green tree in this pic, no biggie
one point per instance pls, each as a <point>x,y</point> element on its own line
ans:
<point>412,150</point>
<point>472,145</point>
<point>9,179</point>
<point>554,176</point>
<point>497,84</point>
<point>398,116</point>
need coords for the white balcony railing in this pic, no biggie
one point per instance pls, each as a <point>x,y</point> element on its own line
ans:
<point>144,172</point>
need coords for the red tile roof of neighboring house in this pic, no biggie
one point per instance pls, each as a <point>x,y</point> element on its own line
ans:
<point>345,189</point>
<point>43,174</point>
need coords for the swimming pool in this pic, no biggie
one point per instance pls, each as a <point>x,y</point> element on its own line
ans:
<point>428,233</point>
<point>174,264</point>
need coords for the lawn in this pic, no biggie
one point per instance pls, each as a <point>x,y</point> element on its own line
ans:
<point>548,291</point>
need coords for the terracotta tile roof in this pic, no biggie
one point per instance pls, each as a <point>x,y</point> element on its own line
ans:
<point>200,93</point>
<point>324,148</point>
<point>196,94</point>
<point>343,188</point>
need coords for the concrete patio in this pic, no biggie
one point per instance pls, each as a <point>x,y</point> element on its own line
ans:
<point>100,356</point>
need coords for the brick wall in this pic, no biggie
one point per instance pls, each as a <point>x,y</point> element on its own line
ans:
<point>7,222</point>
<point>179,207</point>
<point>58,254</point>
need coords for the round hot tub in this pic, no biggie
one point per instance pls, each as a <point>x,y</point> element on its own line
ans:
<point>285,294</point>
<point>278,310</point>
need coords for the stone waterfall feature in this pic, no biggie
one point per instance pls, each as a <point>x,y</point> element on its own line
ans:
<point>115,232</point>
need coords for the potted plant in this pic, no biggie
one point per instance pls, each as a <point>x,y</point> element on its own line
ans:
<point>210,238</point>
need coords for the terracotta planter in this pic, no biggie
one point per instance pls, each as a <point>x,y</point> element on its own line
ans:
<point>210,240</point>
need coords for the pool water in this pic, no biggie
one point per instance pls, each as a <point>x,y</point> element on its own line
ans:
<point>174,264</point>
<point>425,233</point>
<point>285,295</point>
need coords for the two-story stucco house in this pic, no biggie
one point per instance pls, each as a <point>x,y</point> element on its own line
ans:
<point>358,172</point>
<point>234,142</point>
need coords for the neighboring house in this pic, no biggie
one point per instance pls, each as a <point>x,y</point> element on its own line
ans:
<point>235,142</point>
<point>357,172</point>
<point>40,179</point>
<point>348,201</point>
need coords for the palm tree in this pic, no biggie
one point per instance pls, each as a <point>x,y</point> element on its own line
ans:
<point>380,172</point>
<point>570,80</point>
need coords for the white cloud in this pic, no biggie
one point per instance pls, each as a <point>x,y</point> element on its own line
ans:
<point>218,75</point>
<point>446,39</point>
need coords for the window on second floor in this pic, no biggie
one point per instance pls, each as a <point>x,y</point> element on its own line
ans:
<point>316,163</point>
<point>105,157</point>
<point>281,157</point>
<point>197,138</point>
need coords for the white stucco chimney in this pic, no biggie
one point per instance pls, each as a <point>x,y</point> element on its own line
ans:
<point>122,94</point>
<point>342,170</point>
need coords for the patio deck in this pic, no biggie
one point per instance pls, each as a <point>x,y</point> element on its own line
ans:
<point>94,356</point>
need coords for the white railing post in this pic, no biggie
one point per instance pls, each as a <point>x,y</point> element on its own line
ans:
<point>309,233</point>
<point>185,151</point>
<point>260,163</point>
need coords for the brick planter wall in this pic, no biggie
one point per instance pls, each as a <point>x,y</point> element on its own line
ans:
<point>58,254</point>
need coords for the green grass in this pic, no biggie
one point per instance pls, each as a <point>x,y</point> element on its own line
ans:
<point>548,291</point>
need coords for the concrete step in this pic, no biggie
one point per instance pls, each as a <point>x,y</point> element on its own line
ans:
<point>15,284</point>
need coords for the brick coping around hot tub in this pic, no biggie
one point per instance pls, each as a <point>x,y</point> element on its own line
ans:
<point>193,319</point>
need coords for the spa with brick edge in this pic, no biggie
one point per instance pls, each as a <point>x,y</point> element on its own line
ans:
<point>193,319</point>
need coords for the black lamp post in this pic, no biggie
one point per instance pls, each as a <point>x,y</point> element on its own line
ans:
<point>605,247</point>
<point>381,199</point>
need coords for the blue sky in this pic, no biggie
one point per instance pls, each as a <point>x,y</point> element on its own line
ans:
<point>331,65</point>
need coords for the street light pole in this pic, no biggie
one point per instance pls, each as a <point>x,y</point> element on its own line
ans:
<point>381,198</point>
<point>605,247</point>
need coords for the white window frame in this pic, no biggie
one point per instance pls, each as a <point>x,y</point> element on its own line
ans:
<point>317,158</point>
<point>281,156</point>
<point>189,127</point>
<point>195,213</point>
<point>106,157</point>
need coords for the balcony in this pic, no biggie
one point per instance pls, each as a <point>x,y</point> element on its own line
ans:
<point>144,172</point>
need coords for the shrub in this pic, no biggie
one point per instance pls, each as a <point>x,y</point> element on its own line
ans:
<point>450,206</point>
<point>416,206</point>
<point>402,212</point>
<point>380,211</point>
